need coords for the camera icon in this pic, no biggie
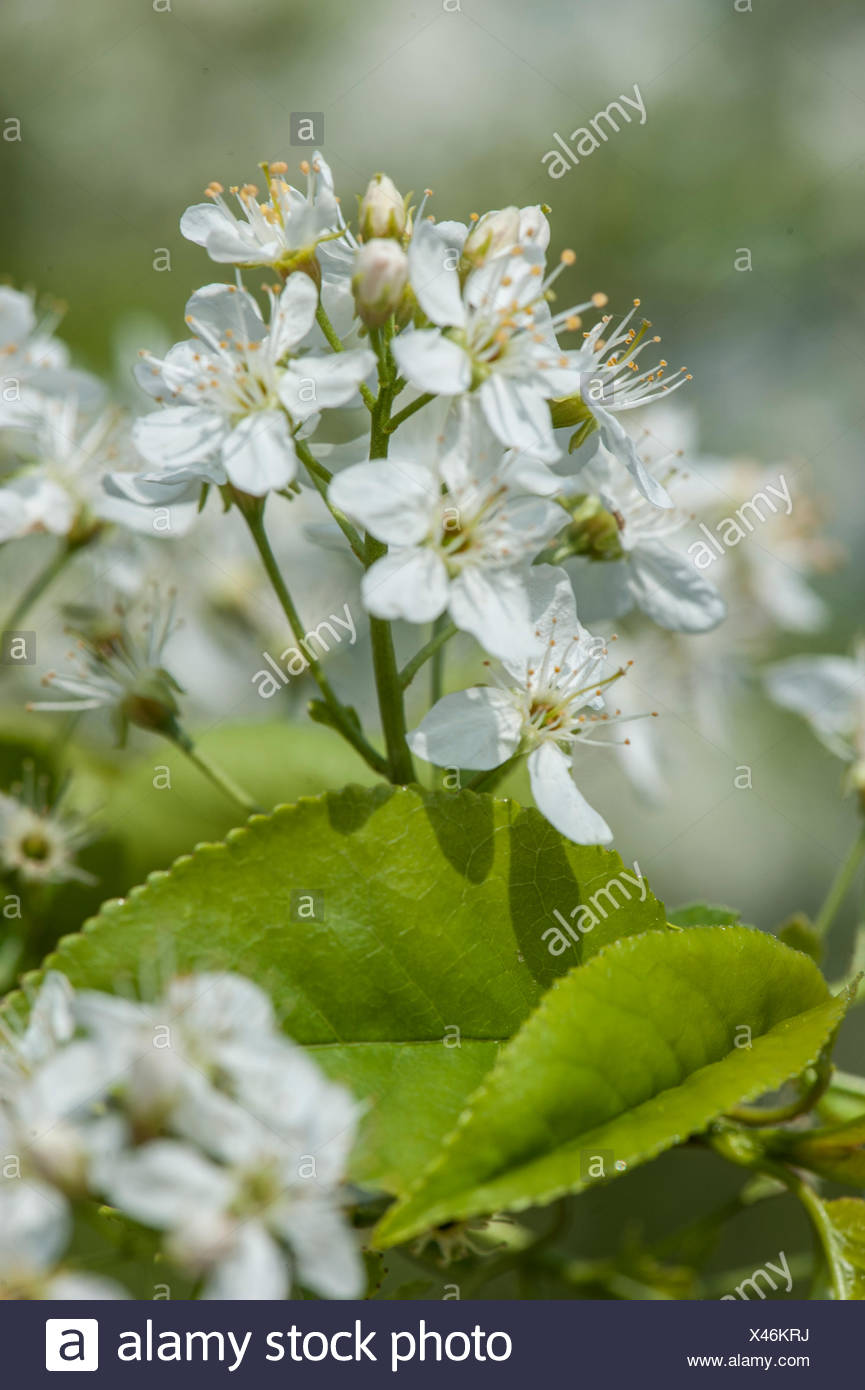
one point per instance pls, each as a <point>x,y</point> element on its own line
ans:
<point>71,1344</point>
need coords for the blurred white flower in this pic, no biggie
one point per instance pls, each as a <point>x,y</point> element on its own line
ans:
<point>40,839</point>
<point>59,487</point>
<point>120,668</point>
<point>242,391</point>
<point>35,1226</point>
<point>829,691</point>
<point>629,561</point>
<point>201,1028</point>
<point>243,1188</point>
<point>31,358</point>
<point>544,706</point>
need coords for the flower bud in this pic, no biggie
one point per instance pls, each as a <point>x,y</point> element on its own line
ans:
<point>492,234</point>
<point>379,280</point>
<point>382,209</point>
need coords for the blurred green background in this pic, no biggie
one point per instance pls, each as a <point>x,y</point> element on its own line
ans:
<point>753,139</point>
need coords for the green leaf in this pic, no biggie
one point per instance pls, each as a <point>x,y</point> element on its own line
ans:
<point>624,1058</point>
<point>843,1234</point>
<point>162,816</point>
<point>703,915</point>
<point>402,935</point>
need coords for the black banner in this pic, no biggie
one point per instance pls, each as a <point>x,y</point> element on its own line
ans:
<point>481,1343</point>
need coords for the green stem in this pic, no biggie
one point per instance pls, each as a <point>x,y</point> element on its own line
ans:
<point>253,513</point>
<point>322,476</point>
<point>334,341</point>
<point>838,891</point>
<point>442,633</point>
<point>441,627</point>
<point>421,401</point>
<point>387,677</point>
<point>215,774</point>
<point>737,1149</point>
<point>781,1114</point>
<point>37,586</point>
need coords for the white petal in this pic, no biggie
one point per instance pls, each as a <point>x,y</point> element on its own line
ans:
<point>165,1183</point>
<point>199,221</point>
<point>406,583</point>
<point>14,519</point>
<point>51,1019</point>
<point>34,1227</point>
<point>432,362</point>
<point>180,437</point>
<point>328,1259</point>
<point>255,1268</point>
<point>493,606</point>
<point>552,609</point>
<point>219,1005</point>
<point>519,416</point>
<point>478,728</point>
<point>17,316</point>
<point>392,498</point>
<point>259,454</point>
<point>318,383</point>
<point>616,438</point>
<point>217,310</point>
<point>293,314</point>
<point>534,226</point>
<point>671,591</point>
<point>433,275</point>
<point>558,799</point>
<point>604,588</point>
<point>829,690</point>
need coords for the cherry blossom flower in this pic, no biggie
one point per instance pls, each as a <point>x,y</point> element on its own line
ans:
<point>241,390</point>
<point>545,706</point>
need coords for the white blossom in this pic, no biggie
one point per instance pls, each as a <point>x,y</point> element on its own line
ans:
<point>59,486</point>
<point>248,1197</point>
<point>241,391</point>
<point>494,336</point>
<point>829,691</point>
<point>461,534</point>
<point>634,564</point>
<point>32,359</point>
<point>122,671</point>
<point>35,1227</point>
<point>39,840</point>
<point>545,706</point>
<point>283,231</point>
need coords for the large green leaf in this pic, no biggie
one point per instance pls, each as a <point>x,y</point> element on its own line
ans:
<point>425,949</point>
<point>645,1045</point>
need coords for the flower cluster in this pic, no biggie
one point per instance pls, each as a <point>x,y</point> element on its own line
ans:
<point>497,491</point>
<point>193,1116</point>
